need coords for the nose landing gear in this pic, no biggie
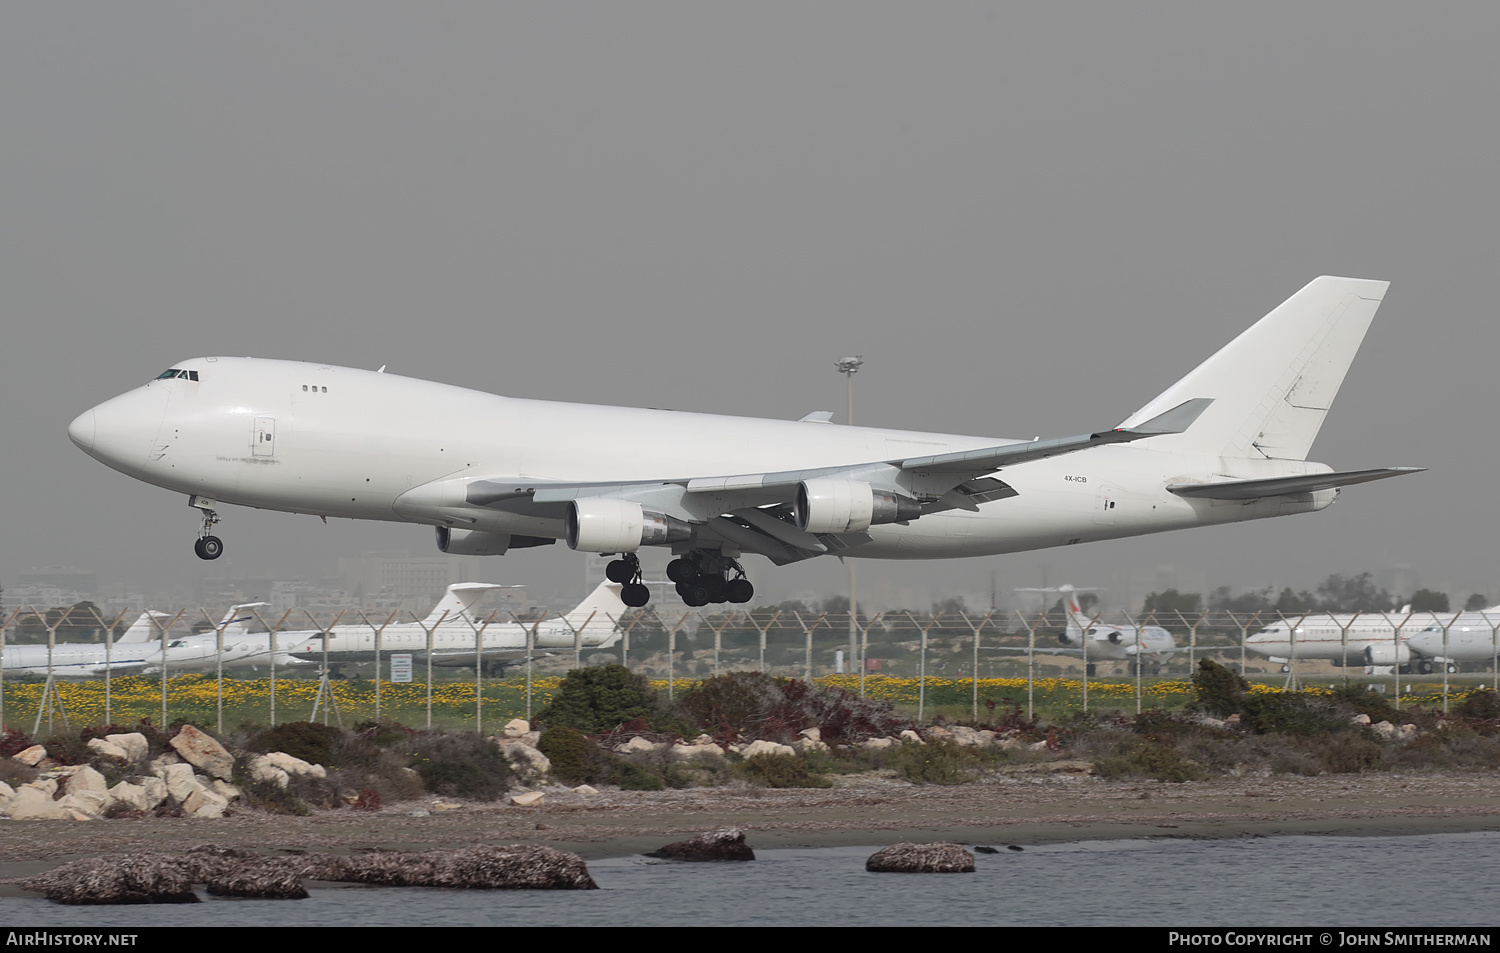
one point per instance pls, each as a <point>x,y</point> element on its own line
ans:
<point>208,545</point>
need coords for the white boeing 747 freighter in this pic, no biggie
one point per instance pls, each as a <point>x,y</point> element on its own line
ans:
<point>1226,443</point>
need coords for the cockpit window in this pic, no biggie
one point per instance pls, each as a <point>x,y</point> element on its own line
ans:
<point>172,372</point>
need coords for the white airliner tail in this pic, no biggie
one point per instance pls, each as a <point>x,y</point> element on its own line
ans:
<point>598,614</point>
<point>1272,386</point>
<point>147,628</point>
<point>457,601</point>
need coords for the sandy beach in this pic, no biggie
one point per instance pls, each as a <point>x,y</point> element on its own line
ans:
<point>1014,809</point>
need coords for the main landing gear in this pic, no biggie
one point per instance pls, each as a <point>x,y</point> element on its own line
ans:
<point>627,570</point>
<point>208,545</point>
<point>700,579</point>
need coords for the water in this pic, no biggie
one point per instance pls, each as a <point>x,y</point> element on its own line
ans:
<point>1408,881</point>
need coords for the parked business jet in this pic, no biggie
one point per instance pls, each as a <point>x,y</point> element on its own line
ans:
<point>1228,442</point>
<point>241,648</point>
<point>461,638</point>
<point>1405,639</point>
<point>1087,637</point>
<point>135,651</point>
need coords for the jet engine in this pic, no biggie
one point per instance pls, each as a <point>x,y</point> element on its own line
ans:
<point>1383,654</point>
<point>473,542</point>
<point>601,524</point>
<point>849,506</point>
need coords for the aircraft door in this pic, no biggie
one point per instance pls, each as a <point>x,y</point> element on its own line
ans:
<point>265,437</point>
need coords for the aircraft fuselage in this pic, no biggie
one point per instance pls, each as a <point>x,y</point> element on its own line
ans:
<point>341,442</point>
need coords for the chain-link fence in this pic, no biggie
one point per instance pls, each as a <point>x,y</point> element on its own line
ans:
<point>252,666</point>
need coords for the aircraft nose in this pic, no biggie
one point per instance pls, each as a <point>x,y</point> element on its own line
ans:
<point>120,432</point>
<point>81,431</point>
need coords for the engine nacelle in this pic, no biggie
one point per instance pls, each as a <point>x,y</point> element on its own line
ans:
<point>473,542</point>
<point>601,524</point>
<point>1383,654</point>
<point>849,506</point>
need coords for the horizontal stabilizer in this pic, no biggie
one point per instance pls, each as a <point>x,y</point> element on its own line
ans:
<point>1283,486</point>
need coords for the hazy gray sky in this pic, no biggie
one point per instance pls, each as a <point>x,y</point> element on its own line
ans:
<point>1029,218</point>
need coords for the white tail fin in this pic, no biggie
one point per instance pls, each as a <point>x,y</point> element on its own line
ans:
<point>145,628</point>
<point>457,602</point>
<point>598,614</point>
<point>1272,386</point>
<point>237,617</point>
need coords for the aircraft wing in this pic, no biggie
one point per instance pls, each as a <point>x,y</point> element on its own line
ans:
<point>1283,486</point>
<point>750,510</point>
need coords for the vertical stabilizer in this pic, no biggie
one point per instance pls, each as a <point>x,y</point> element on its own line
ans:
<point>147,628</point>
<point>598,614</point>
<point>1272,386</point>
<point>457,601</point>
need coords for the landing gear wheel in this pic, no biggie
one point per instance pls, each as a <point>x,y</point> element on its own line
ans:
<point>620,570</point>
<point>694,592</point>
<point>635,595</point>
<point>1452,668</point>
<point>717,588</point>
<point>1286,668</point>
<point>681,569</point>
<point>209,547</point>
<point>1424,668</point>
<point>739,590</point>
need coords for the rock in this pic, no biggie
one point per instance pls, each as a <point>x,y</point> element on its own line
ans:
<point>32,756</point>
<point>767,747</point>
<point>180,780</point>
<point>921,859</point>
<point>529,799</point>
<point>726,843</point>
<point>125,878</point>
<point>878,743</point>
<point>637,744</point>
<point>695,751</point>
<point>529,763</point>
<point>130,797</point>
<point>516,728</point>
<point>912,736</point>
<point>585,789</point>
<point>33,802</point>
<point>520,867</point>
<point>259,878</point>
<point>295,767</point>
<point>100,748</point>
<point>133,743</point>
<point>85,778</point>
<point>203,752</point>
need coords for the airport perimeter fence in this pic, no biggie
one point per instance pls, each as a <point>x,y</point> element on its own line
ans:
<point>925,661</point>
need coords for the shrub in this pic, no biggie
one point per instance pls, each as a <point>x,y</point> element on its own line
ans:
<point>459,765</point>
<point>570,753</point>
<point>307,740</point>
<point>598,699</point>
<point>1218,691</point>
<point>1158,760</point>
<point>752,705</point>
<point>937,762</point>
<point>781,771</point>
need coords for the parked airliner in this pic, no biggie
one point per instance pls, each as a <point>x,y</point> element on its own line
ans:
<point>137,650</point>
<point>452,623</point>
<point>1403,638</point>
<point>1227,442</point>
<point>463,638</point>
